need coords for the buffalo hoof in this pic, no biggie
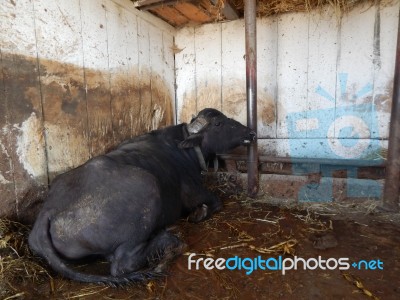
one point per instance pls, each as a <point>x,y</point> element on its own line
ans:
<point>199,214</point>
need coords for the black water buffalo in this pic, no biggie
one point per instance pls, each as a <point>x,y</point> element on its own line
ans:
<point>118,205</point>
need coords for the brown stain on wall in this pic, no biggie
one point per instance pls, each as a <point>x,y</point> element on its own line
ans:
<point>21,107</point>
<point>98,100</point>
<point>65,115</point>
<point>267,111</point>
<point>383,101</point>
<point>233,103</point>
<point>76,113</point>
<point>7,189</point>
<point>189,107</point>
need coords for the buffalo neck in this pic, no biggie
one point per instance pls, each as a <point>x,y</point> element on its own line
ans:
<point>197,149</point>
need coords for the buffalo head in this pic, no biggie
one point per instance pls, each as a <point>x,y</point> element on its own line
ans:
<point>214,133</point>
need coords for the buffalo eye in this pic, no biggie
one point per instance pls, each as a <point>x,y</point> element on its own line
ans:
<point>217,123</point>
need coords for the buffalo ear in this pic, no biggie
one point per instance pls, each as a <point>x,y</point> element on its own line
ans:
<point>191,141</point>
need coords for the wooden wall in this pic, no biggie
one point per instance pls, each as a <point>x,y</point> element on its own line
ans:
<point>76,78</point>
<point>324,81</point>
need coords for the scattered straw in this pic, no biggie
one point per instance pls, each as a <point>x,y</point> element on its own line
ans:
<point>359,285</point>
<point>242,236</point>
<point>286,247</point>
<point>88,292</point>
<point>15,296</point>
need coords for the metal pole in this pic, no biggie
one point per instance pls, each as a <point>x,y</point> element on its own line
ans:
<point>392,182</point>
<point>251,91</point>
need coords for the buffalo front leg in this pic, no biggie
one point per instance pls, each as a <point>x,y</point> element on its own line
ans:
<point>209,205</point>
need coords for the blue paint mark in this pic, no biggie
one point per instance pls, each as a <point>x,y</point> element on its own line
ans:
<point>317,192</point>
<point>322,92</point>
<point>348,132</point>
<point>343,83</point>
<point>316,144</point>
<point>364,91</point>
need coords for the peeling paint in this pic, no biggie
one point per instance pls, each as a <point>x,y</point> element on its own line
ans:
<point>3,180</point>
<point>3,149</point>
<point>30,146</point>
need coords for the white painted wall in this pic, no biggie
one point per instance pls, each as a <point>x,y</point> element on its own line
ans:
<point>76,78</point>
<point>324,82</point>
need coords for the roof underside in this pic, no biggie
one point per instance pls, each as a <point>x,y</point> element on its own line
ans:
<point>181,13</point>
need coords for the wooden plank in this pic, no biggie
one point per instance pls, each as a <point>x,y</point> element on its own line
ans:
<point>355,117</point>
<point>170,15</point>
<point>7,184</point>
<point>292,75</point>
<point>62,84</point>
<point>159,96</point>
<point>23,146</point>
<point>233,70</point>
<point>284,148</point>
<point>141,3</point>
<point>145,75</point>
<point>355,71</point>
<point>97,83</point>
<point>385,37</point>
<point>169,76</point>
<point>185,60</point>
<point>132,52</point>
<point>208,66</point>
<point>193,13</point>
<point>267,47</point>
<point>321,85</point>
<point>322,63</point>
<point>148,18</point>
<point>121,106</point>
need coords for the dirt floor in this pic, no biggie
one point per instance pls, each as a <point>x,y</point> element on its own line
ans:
<point>247,229</point>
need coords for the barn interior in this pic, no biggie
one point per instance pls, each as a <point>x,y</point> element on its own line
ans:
<point>79,77</point>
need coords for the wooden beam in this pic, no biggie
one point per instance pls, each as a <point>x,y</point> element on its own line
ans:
<point>229,11</point>
<point>194,12</point>
<point>152,4</point>
<point>170,15</point>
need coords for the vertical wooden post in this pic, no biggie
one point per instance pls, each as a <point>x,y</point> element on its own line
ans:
<point>392,182</point>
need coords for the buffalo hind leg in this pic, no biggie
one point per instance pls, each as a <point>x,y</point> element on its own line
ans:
<point>155,253</point>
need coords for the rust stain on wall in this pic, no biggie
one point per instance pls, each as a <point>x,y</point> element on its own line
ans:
<point>383,101</point>
<point>266,110</point>
<point>58,115</point>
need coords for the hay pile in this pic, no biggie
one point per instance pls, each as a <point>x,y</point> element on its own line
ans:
<point>17,265</point>
<point>272,7</point>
